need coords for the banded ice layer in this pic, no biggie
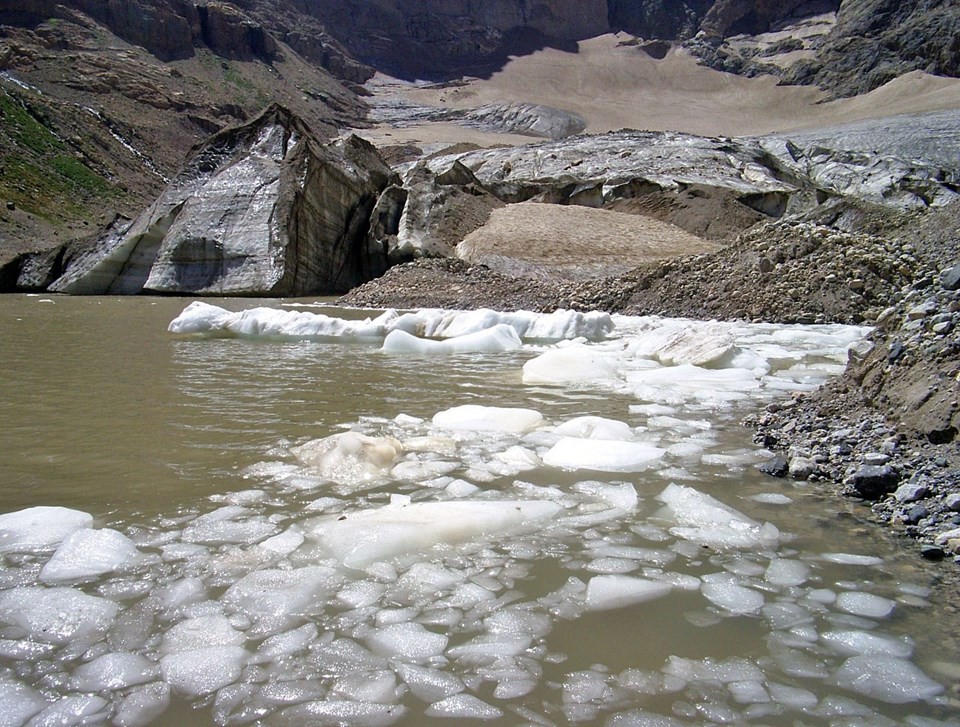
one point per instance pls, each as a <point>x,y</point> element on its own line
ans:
<point>418,568</point>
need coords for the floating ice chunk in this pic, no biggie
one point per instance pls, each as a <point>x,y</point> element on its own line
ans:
<point>363,537</point>
<point>350,458</point>
<point>486,647</point>
<point>591,427</point>
<point>429,685</point>
<point>616,591</point>
<point>640,718</point>
<point>771,498</point>
<point>277,599</point>
<point>850,643</point>
<point>407,641</point>
<point>420,470</point>
<point>202,671</point>
<point>784,572</point>
<point>343,713</point>
<point>556,326</point>
<point>475,418</point>
<point>491,340</point>
<point>142,706</point>
<point>463,706</point>
<point>283,543</point>
<point>734,669</point>
<point>77,709</point>
<point>344,656</point>
<point>18,702</point>
<point>622,496</point>
<point>115,670</point>
<point>748,692</point>
<point>792,697</point>
<point>602,455</point>
<point>86,553</point>
<point>575,363</point>
<point>865,604</point>
<point>676,342</point>
<point>730,596</point>
<point>379,687</point>
<point>56,615</point>
<point>203,318</point>
<point>199,633</point>
<point>705,519</point>
<point>851,559</point>
<point>518,621</point>
<point>38,528</point>
<point>891,680</point>
<point>285,644</point>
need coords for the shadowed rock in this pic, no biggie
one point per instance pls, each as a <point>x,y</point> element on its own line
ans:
<point>261,209</point>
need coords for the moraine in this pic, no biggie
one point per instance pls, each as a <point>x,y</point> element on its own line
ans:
<point>302,515</point>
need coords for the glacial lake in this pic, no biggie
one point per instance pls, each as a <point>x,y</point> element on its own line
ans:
<point>584,539</point>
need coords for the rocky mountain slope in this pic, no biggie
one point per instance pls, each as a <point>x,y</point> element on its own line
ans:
<point>101,102</point>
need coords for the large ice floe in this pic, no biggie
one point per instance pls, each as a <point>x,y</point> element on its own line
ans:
<point>409,569</point>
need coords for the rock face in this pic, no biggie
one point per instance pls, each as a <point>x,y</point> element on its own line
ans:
<point>732,17</point>
<point>875,41</point>
<point>262,209</point>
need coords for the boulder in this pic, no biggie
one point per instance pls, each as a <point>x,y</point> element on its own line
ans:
<point>260,209</point>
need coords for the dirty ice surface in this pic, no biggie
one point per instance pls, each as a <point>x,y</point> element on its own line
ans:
<point>408,568</point>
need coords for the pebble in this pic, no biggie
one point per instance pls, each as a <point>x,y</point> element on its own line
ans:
<point>911,492</point>
<point>872,482</point>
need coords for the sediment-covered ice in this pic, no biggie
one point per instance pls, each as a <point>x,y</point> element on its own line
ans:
<point>350,458</point>
<point>359,538</point>
<point>41,527</point>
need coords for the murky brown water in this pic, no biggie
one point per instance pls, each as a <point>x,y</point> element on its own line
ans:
<point>104,411</point>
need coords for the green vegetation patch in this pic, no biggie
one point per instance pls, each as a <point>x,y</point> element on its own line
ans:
<point>38,171</point>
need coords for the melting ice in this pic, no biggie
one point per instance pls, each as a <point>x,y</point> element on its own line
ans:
<point>417,568</point>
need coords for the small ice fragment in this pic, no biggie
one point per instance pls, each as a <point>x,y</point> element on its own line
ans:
<point>495,339</point>
<point>851,559</point>
<point>593,427</point>
<point>201,632</point>
<point>570,364</point>
<point>18,702</point>
<point>429,685</point>
<point>115,670</point>
<point>785,573</point>
<point>617,591</point>
<point>887,678</point>
<point>865,604</point>
<point>378,687</point>
<point>407,641</point>
<point>202,671</point>
<point>851,643</point>
<point>38,528</point>
<point>463,706</point>
<point>476,418</point>
<point>732,597</point>
<point>56,615</point>
<point>602,455</point>
<point>771,498</point>
<point>86,553</point>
